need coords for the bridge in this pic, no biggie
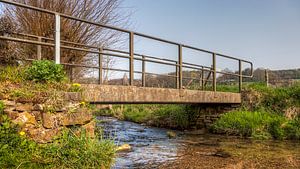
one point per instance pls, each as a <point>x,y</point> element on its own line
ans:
<point>141,85</point>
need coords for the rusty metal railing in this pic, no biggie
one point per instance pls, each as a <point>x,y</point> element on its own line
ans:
<point>59,44</point>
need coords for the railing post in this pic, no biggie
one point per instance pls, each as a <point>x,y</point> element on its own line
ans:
<point>240,76</point>
<point>177,75</point>
<point>39,50</point>
<point>214,73</point>
<point>131,60</point>
<point>267,77</point>
<point>202,78</point>
<point>100,65</point>
<point>143,71</point>
<point>179,86</point>
<point>57,38</point>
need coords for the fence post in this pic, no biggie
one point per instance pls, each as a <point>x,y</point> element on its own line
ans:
<point>57,38</point>
<point>202,78</point>
<point>240,76</point>
<point>214,73</point>
<point>100,65</point>
<point>131,60</point>
<point>39,49</point>
<point>179,86</point>
<point>267,77</point>
<point>143,71</point>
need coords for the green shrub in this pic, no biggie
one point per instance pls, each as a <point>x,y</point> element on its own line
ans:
<point>261,125</point>
<point>176,116</point>
<point>292,129</point>
<point>75,87</point>
<point>1,107</point>
<point>45,71</point>
<point>15,74</point>
<point>277,99</point>
<point>68,151</point>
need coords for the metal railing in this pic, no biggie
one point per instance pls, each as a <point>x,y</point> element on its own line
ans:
<point>59,44</point>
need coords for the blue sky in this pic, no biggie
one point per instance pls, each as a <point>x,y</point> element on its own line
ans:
<point>266,32</point>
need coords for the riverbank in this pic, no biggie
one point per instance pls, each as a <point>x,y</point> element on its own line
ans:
<point>152,148</point>
<point>40,129</point>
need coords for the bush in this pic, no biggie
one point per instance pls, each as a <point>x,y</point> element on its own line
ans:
<point>1,107</point>
<point>292,129</point>
<point>174,116</point>
<point>45,71</point>
<point>257,125</point>
<point>75,87</point>
<point>15,74</point>
<point>277,99</point>
<point>69,151</point>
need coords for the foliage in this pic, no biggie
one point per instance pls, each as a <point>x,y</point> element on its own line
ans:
<point>1,107</point>
<point>174,116</point>
<point>69,151</point>
<point>45,71</point>
<point>277,99</point>
<point>257,125</point>
<point>75,87</point>
<point>14,74</point>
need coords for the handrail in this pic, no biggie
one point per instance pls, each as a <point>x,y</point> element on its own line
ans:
<point>131,55</point>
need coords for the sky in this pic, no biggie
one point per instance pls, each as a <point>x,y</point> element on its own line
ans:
<point>266,32</point>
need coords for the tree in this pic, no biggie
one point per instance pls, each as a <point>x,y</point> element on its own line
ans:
<point>101,11</point>
<point>7,56</point>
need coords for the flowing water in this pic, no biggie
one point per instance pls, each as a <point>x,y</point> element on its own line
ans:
<point>152,148</point>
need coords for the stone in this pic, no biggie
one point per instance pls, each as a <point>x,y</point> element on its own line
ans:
<point>171,134</point>
<point>104,107</point>
<point>38,107</point>
<point>72,96</point>
<point>12,114</point>
<point>24,118</point>
<point>50,120</point>
<point>9,103</point>
<point>82,116</point>
<point>124,147</point>
<point>24,107</point>
<point>292,112</point>
<point>37,115</point>
<point>8,109</point>
<point>42,135</point>
<point>88,128</point>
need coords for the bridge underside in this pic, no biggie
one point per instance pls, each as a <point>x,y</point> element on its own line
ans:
<point>109,94</point>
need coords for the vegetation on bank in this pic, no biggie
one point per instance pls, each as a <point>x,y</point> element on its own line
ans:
<point>266,117</point>
<point>171,116</point>
<point>258,124</point>
<point>41,82</point>
<point>68,151</point>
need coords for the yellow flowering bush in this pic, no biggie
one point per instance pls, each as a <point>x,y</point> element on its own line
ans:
<point>75,87</point>
<point>22,133</point>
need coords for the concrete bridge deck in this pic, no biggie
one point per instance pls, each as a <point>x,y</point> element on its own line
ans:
<point>113,94</point>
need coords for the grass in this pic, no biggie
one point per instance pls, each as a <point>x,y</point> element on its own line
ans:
<point>265,119</point>
<point>173,116</point>
<point>276,99</point>
<point>68,151</point>
<point>260,125</point>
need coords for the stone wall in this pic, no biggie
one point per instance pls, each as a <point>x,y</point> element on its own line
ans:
<point>206,115</point>
<point>43,126</point>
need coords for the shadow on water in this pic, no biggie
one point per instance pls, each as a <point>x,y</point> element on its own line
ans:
<point>152,148</point>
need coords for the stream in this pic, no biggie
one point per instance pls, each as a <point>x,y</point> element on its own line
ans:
<point>151,147</point>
